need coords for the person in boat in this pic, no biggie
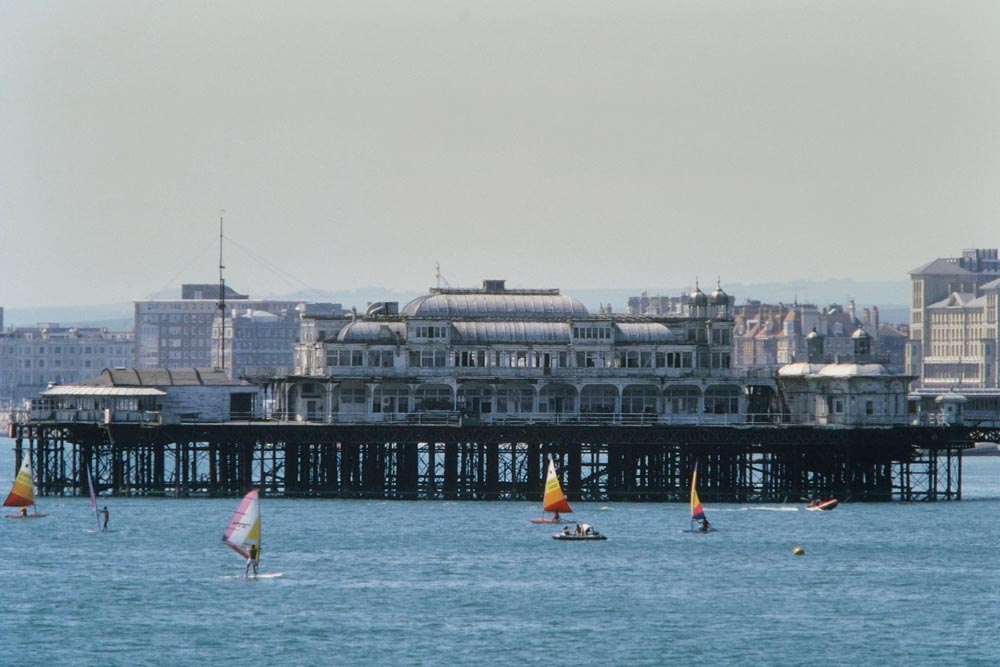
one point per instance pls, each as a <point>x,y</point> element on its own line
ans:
<point>705,526</point>
<point>104,514</point>
<point>578,531</point>
<point>587,530</point>
<point>253,559</point>
<point>565,530</point>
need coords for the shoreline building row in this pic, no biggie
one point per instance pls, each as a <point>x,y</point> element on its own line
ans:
<point>954,332</point>
<point>259,334</point>
<point>32,358</point>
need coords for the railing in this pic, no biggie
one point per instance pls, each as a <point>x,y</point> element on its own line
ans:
<point>578,419</point>
<point>145,417</point>
<point>505,372</point>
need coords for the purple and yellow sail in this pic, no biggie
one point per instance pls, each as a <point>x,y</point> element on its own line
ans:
<point>244,528</point>
<point>23,492</point>
<point>697,513</point>
<point>554,499</point>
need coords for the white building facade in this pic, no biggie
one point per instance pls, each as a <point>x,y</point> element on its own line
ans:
<point>505,355</point>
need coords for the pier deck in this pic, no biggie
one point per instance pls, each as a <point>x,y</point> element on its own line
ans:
<point>489,462</point>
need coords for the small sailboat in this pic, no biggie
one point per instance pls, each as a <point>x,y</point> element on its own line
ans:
<point>554,500</point>
<point>242,535</point>
<point>22,494</point>
<point>699,523</point>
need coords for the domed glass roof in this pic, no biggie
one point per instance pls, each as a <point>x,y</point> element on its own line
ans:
<point>475,304</point>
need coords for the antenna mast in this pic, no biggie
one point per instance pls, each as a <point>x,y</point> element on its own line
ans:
<point>222,300</point>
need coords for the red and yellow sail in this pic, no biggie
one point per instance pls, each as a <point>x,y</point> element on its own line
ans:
<point>555,499</point>
<point>697,513</point>
<point>23,492</point>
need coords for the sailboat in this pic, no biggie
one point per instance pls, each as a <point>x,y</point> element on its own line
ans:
<point>23,493</point>
<point>699,523</point>
<point>243,531</point>
<point>554,500</point>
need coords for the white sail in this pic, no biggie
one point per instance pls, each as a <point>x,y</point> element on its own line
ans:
<point>244,528</point>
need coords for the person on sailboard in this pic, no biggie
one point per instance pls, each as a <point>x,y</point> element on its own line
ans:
<point>104,513</point>
<point>24,512</point>
<point>252,559</point>
<point>555,517</point>
<point>705,525</point>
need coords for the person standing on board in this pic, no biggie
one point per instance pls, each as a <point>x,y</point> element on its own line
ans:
<point>104,513</point>
<point>253,558</point>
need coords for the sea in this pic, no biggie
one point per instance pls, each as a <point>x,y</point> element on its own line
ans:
<point>367,582</point>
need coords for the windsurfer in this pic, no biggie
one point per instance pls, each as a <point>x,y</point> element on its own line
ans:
<point>555,517</point>
<point>104,513</point>
<point>24,512</point>
<point>253,558</point>
<point>705,525</point>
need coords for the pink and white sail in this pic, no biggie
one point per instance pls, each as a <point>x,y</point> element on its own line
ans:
<point>244,528</point>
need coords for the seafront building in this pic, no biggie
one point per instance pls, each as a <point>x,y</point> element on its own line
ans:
<point>177,333</point>
<point>772,335</point>
<point>954,333</point>
<point>31,358</point>
<point>500,355</point>
<point>259,344</point>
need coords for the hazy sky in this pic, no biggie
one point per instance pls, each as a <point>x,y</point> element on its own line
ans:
<point>554,144</point>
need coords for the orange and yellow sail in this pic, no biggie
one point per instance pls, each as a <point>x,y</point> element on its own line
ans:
<point>555,499</point>
<point>697,513</point>
<point>23,492</point>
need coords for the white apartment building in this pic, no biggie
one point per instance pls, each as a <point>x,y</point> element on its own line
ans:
<point>177,333</point>
<point>954,335</point>
<point>32,358</point>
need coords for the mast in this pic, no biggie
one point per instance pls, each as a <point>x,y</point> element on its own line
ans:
<point>222,301</point>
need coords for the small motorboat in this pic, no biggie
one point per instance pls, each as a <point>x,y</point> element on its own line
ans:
<point>585,533</point>
<point>570,537</point>
<point>827,504</point>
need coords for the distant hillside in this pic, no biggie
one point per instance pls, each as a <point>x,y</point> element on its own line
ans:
<point>890,296</point>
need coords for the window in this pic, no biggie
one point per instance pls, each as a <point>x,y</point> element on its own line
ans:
<point>428,358</point>
<point>344,358</point>
<point>430,332</point>
<point>352,396</point>
<point>592,333</point>
<point>381,358</point>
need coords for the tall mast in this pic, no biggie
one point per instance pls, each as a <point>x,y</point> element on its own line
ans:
<point>222,301</point>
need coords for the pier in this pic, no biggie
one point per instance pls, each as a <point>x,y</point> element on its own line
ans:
<point>648,463</point>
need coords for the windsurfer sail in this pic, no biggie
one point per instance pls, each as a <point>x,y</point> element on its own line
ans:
<point>554,500</point>
<point>93,499</point>
<point>22,494</point>
<point>697,512</point>
<point>242,535</point>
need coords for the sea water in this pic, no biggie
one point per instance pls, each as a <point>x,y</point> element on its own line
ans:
<point>468,583</point>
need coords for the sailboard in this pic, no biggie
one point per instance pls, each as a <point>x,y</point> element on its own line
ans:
<point>554,499</point>
<point>699,523</point>
<point>243,531</point>
<point>22,494</point>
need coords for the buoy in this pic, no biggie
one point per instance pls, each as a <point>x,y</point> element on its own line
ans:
<point>798,551</point>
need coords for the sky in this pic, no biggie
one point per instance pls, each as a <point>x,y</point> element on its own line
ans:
<point>567,143</point>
